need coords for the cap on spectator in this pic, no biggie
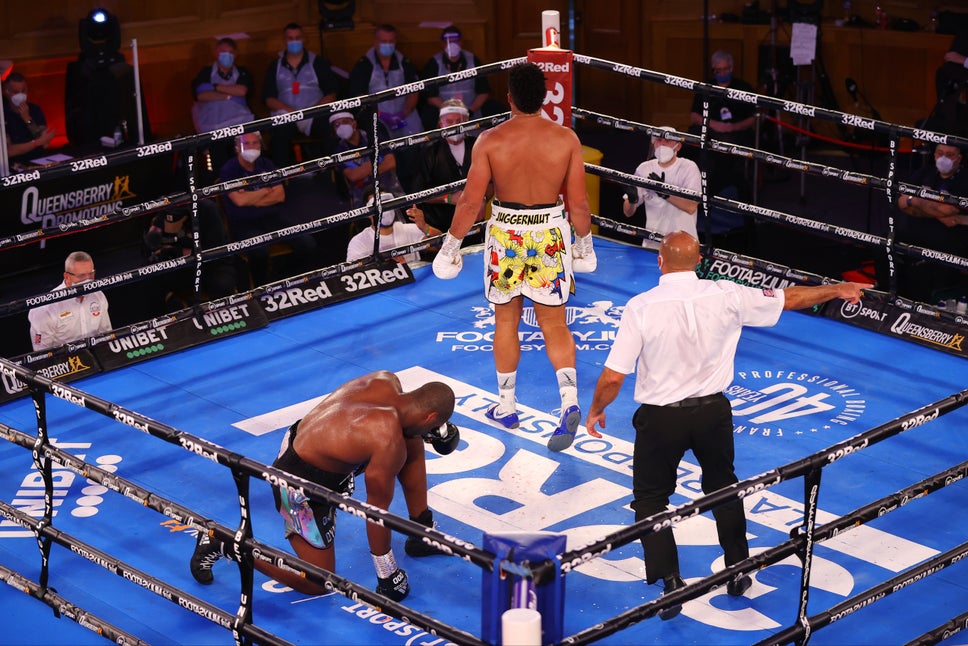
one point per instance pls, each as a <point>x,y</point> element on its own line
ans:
<point>336,116</point>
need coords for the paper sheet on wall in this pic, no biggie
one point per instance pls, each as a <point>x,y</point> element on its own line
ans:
<point>803,43</point>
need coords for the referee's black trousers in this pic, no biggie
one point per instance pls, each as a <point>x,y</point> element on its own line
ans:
<point>662,436</point>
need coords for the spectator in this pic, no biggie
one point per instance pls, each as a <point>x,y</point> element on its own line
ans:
<point>255,208</point>
<point>25,124</point>
<point>55,324</point>
<point>474,92</point>
<point>442,162</point>
<point>358,173</point>
<point>221,93</point>
<point>665,213</point>
<point>381,68</point>
<point>936,225</point>
<point>297,79</point>
<point>730,121</point>
<point>393,233</point>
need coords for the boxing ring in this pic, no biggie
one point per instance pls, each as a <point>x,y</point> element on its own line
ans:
<point>170,434</point>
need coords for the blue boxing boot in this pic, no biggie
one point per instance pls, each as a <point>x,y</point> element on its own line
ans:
<point>564,435</point>
<point>508,421</point>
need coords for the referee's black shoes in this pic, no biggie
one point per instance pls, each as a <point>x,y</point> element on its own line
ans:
<point>672,582</point>
<point>737,587</point>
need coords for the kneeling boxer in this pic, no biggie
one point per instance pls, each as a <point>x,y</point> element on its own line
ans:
<point>368,425</point>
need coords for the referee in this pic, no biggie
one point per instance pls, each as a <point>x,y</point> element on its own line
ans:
<point>682,334</point>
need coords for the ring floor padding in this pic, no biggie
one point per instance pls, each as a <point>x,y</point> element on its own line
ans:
<point>801,386</point>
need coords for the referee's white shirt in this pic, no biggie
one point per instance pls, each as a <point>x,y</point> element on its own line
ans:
<point>683,335</point>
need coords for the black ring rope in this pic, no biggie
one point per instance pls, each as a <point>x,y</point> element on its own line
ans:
<point>243,466</point>
<point>63,607</point>
<point>93,162</point>
<point>240,539</point>
<point>831,529</point>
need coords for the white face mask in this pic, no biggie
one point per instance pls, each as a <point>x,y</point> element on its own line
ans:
<point>664,154</point>
<point>455,139</point>
<point>18,99</point>
<point>344,131</point>
<point>388,218</point>
<point>452,49</point>
<point>251,154</point>
<point>944,165</point>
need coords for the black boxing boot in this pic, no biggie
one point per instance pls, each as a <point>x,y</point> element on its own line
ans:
<point>208,551</point>
<point>418,546</point>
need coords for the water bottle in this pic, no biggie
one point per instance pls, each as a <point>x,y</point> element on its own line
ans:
<point>118,137</point>
<point>962,306</point>
<point>941,305</point>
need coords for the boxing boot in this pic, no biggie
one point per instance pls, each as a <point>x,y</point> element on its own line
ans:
<point>448,261</point>
<point>416,546</point>
<point>564,435</point>
<point>508,421</point>
<point>583,258</point>
<point>208,551</point>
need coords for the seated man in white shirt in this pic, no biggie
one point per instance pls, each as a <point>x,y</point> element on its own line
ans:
<point>55,324</point>
<point>665,213</point>
<point>393,232</point>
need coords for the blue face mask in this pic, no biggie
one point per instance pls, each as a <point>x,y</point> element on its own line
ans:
<point>723,78</point>
<point>226,59</point>
<point>387,49</point>
<point>294,47</point>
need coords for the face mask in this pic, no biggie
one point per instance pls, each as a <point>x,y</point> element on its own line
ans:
<point>664,154</point>
<point>251,154</point>
<point>944,165</point>
<point>389,217</point>
<point>452,49</point>
<point>225,59</point>
<point>387,49</point>
<point>294,47</point>
<point>723,78</point>
<point>344,131</point>
<point>455,139</point>
<point>18,99</point>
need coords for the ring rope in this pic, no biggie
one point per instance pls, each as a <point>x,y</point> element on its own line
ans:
<point>910,421</point>
<point>243,545</point>
<point>204,139</point>
<point>63,607</point>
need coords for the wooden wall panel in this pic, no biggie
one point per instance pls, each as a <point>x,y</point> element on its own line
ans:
<point>894,69</point>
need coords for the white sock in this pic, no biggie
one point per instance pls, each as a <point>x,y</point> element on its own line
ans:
<point>567,387</point>
<point>506,383</point>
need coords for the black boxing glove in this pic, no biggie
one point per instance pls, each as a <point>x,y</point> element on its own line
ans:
<point>395,587</point>
<point>655,177</point>
<point>444,439</point>
<point>632,194</point>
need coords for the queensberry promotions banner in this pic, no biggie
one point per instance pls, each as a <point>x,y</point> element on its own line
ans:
<point>289,297</point>
<point>66,368</point>
<point>233,316</point>
<point>907,320</point>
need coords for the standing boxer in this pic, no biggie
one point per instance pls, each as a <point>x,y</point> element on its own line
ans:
<point>528,250</point>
